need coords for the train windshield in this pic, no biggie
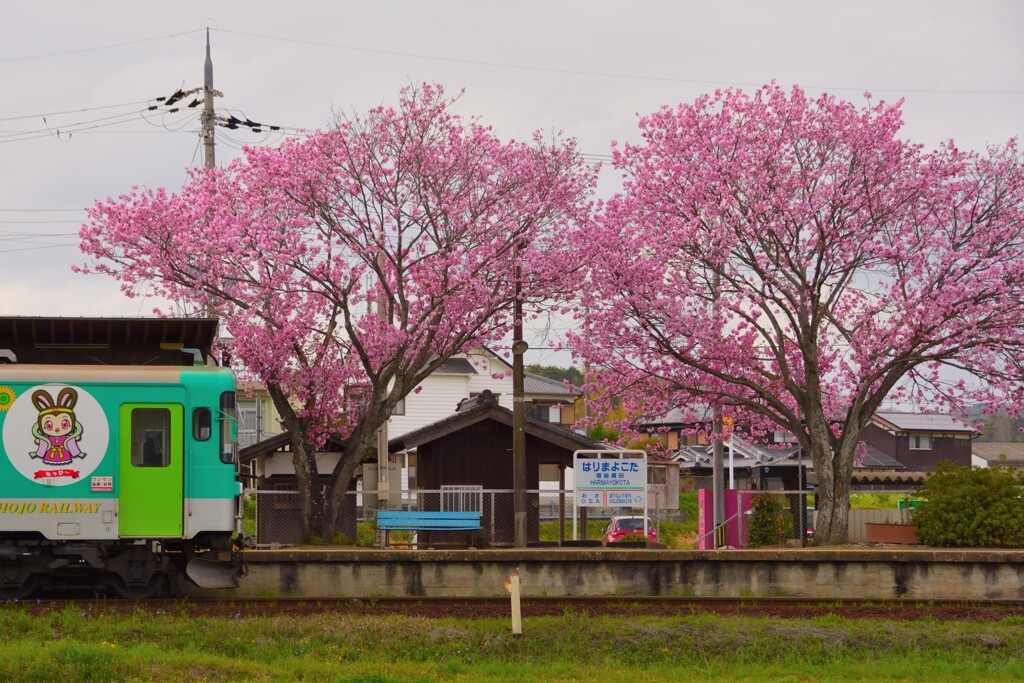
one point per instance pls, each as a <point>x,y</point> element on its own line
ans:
<point>228,427</point>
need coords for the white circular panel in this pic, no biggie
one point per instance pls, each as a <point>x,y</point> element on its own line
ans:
<point>57,436</point>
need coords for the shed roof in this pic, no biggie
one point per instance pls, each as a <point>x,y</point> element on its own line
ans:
<point>108,341</point>
<point>282,443</point>
<point>485,407</point>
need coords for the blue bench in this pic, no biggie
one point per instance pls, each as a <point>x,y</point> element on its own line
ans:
<point>425,520</point>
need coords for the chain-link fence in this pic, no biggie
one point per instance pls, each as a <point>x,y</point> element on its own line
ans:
<point>765,518</point>
<point>272,516</point>
<point>753,518</point>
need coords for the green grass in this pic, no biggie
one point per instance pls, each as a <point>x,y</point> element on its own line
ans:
<point>95,645</point>
<point>595,527</point>
<point>249,516</point>
<point>877,501</point>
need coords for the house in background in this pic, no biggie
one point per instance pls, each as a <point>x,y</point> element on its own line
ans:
<point>257,416</point>
<point>466,376</point>
<point>463,377</point>
<point>919,441</point>
<point>1008,454</point>
<point>901,448</point>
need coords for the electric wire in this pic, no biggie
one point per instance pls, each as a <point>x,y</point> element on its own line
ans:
<point>73,111</point>
<point>97,48</point>
<point>68,130</point>
<point>604,74</point>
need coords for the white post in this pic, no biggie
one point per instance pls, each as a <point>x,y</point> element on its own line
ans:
<point>517,614</point>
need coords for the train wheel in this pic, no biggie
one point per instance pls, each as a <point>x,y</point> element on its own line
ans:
<point>12,592</point>
<point>157,587</point>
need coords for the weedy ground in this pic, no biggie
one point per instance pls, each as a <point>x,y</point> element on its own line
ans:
<point>93,645</point>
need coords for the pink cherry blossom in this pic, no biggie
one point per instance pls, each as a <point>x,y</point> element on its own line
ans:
<point>793,261</point>
<point>351,264</point>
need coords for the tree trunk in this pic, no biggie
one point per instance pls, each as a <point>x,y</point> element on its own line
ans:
<point>341,508</point>
<point>833,466</point>
<point>832,519</point>
<point>312,508</point>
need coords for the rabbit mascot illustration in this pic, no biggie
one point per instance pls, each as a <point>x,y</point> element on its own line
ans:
<point>57,431</point>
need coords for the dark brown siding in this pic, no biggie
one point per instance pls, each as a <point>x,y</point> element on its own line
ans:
<point>957,451</point>
<point>481,455</point>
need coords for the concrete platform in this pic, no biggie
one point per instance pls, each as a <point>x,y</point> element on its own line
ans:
<point>877,573</point>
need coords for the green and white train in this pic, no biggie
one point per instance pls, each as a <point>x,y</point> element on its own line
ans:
<point>123,478</point>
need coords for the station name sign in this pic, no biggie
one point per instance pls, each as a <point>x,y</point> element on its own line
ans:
<point>610,479</point>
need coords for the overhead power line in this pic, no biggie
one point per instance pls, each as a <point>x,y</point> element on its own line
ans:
<point>73,111</point>
<point>97,48</point>
<point>607,74</point>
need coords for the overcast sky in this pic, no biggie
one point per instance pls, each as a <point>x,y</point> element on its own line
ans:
<point>76,76</point>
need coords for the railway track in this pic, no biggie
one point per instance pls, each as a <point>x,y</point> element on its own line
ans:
<point>491,607</point>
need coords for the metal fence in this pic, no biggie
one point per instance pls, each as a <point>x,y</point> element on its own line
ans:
<point>790,516</point>
<point>272,516</point>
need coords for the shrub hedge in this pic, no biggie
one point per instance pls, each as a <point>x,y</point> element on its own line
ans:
<point>972,507</point>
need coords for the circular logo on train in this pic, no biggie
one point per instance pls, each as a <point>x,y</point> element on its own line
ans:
<point>55,434</point>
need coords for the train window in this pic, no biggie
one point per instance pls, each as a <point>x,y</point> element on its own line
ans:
<point>151,429</point>
<point>202,424</point>
<point>228,427</point>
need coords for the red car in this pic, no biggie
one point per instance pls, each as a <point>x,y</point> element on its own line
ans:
<point>621,527</point>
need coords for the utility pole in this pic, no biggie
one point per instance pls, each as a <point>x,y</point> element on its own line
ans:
<point>717,466</point>
<point>383,456</point>
<point>207,119</point>
<point>518,413</point>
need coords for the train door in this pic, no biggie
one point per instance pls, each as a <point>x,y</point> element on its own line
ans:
<point>151,467</point>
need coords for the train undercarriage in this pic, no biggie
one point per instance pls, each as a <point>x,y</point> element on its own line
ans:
<point>134,569</point>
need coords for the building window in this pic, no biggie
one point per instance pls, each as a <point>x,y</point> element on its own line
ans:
<point>248,425</point>
<point>783,436</point>
<point>657,476</point>
<point>399,408</point>
<point>920,442</point>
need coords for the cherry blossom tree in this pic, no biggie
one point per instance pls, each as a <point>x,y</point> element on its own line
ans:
<point>795,263</point>
<point>351,264</point>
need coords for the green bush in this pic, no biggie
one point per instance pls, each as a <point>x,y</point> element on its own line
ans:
<point>688,505</point>
<point>766,525</point>
<point>972,507</point>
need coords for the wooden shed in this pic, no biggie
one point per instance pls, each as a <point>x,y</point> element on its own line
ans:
<point>473,449</point>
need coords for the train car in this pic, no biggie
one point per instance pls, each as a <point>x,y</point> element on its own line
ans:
<point>119,477</point>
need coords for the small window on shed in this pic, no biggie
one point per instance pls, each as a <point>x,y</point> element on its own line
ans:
<point>657,476</point>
